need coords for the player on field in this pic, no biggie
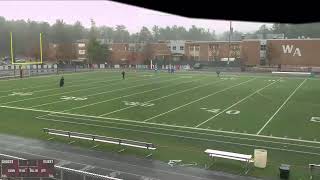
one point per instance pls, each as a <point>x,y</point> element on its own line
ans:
<point>62,81</point>
<point>218,73</point>
<point>123,74</point>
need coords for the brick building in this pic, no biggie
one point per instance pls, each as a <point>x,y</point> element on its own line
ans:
<point>212,50</point>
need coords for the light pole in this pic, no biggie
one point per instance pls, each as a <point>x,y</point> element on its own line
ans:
<point>229,42</point>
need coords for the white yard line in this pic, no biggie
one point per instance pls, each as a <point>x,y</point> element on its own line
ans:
<point>119,97</point>
<point>178,92</point>
<point>180,136</point>
<point>225,89</point>
<point>284,103</point>
<point>95,87</point>
<point>157,124</point>
<point>257,91</point>
<point>176,130</point>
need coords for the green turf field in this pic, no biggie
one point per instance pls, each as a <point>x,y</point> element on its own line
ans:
<point>182,114</point>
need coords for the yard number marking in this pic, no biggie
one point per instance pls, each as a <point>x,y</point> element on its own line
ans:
<point>20,94</point>
<point>218,110</point>
<point>173,162</point>
<point>233,112</point>
<point>73,98</point>
<point>315,119</point>
<point>143,104</point>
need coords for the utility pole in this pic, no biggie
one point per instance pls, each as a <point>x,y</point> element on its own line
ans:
<point>230,32</point>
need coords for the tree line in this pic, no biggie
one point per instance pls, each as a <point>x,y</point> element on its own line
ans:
<point>26,35</point>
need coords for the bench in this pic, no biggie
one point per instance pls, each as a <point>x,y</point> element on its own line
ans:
<point>231,155</point>
<point>292,73</point>
<point>103,139</point>
<point>314,170</point>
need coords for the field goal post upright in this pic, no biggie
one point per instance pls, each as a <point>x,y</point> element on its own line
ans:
<point>24,65</point>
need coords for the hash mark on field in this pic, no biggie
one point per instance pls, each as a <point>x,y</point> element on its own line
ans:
<point>284,103</point>
<point>225,89</point>
<point>243,99</point>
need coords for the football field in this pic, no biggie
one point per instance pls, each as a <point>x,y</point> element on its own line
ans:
<point>182,114</point>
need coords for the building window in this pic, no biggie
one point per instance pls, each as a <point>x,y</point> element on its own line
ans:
<point>82,52</point>
<point>194,48</point>
<point>181,48</point>
<point>263,47</point>
<point>169,47</point>
<point>174,48</point>
<point>196,58</point>
<point>80,45</point>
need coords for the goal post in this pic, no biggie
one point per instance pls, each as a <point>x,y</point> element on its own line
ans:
<point>13,61</point>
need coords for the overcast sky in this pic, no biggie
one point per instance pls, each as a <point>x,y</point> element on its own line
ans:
<point>110,14</point>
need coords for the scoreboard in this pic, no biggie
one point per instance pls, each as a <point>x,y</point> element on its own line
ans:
<point>27,168</point>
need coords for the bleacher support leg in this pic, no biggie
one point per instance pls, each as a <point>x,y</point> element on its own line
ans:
<point>149,155</point>
<point>121,150</point>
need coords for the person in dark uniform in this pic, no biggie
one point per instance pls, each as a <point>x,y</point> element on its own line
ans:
<point>21,71</point>
<point>123,74</point>
<point>218,73</point>
<point>62,81</point>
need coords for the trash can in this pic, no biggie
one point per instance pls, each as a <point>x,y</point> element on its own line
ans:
<point>260,158</point>
<point>284,171</point>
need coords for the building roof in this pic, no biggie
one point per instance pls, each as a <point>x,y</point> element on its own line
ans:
<point>193,42</point>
